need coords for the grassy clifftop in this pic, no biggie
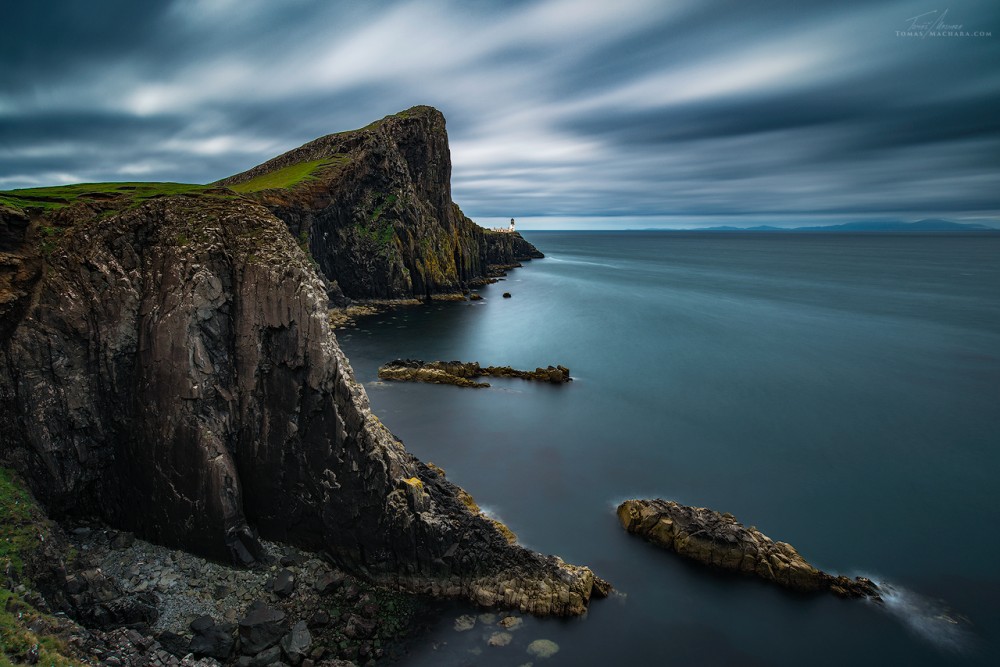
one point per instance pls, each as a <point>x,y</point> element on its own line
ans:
<point>372,206</point>
<point>60,196</point>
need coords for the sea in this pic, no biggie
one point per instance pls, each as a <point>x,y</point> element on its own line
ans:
<point>841,392</point>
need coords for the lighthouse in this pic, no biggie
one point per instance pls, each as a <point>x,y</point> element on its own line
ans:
<point>511,229</point>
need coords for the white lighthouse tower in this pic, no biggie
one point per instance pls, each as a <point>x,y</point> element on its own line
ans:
<point>511,229</point>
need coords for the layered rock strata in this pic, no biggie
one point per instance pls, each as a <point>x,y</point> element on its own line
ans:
<point>464,374</point>
<point>719,540</point>
<point>377,214</point>
<point>20,267</point>
<point>171,369</point>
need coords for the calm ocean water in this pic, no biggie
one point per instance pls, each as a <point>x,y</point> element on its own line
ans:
<point>840,392</point>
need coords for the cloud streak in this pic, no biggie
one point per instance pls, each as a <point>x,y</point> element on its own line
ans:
<point>557,109</point>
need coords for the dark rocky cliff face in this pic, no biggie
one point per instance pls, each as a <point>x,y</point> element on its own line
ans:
<point>168,366</point>
<point>377,212</point>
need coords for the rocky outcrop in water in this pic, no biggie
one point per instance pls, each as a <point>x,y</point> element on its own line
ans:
<point>170,368</point>
<point>719,540</point>
<point>463,374</point>
<point>377,214</point>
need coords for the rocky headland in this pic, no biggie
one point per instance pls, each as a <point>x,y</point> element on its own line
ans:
<point>375,211</point>
<point>168,366</point>
<point>719,540</point>
<point>464,374</point>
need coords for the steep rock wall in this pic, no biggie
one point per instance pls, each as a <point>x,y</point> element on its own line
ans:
<point>171,369</point>
<point>379,218</point>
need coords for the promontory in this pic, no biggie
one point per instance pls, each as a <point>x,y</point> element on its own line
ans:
<point>167,365</point>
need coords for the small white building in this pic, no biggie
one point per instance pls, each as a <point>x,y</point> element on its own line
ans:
<point>506,230</point>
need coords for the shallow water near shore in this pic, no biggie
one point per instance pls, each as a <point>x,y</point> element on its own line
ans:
<point>839,392</point>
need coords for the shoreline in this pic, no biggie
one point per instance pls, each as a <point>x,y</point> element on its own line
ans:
<point>343,317</point>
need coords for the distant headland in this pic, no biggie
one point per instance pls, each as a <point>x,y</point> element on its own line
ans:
<point>929,225</point>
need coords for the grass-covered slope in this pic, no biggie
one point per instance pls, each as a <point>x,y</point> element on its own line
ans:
<point>26,634</point>
<point>59,196</point>
<point>20,520</point>
<point>290,176</point>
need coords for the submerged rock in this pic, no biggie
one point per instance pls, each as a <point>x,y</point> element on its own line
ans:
<point>465,623</point>
<point>463,374</point>
<point>510,622</point>
<point>543,648</point>
<point>500,639</point>
<point>718,539</point>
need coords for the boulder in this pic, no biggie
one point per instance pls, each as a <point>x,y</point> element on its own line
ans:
<point>174,643</point>
<point>211,639</point>
<point>283,583</point>
<point>269,656</point>
<point>133,610</point>
<point>328,582</point>
<point>262,627</point>
<point>359,627</point>
<point>122,540</point>
<point>291,558</point>
<point>296,643</point>
<point>319,619</point>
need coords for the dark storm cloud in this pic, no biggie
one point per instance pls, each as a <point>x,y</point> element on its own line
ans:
<point>640,110</point>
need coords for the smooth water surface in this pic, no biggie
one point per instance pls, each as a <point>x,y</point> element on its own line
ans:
<point>840,392</point>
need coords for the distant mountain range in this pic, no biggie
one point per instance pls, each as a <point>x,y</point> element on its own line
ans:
<point>929,225</point>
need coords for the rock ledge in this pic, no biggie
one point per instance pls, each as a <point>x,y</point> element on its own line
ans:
<point>718,539</point>
<point>463,374</point>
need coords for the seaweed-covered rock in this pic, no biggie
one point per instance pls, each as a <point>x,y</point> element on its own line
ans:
<point>718,539</point>
<point>464,374</point>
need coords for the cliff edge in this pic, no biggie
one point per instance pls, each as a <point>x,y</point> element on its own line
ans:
<point>167,365</point>
<point>374,208</point>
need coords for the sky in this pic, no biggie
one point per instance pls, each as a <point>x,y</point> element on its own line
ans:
<point>562,113</point>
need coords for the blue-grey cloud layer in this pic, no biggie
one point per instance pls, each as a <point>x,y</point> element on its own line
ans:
<point>566,108</point>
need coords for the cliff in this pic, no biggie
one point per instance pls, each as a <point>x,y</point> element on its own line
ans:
<point>374,207</point>
<point>167,365</point>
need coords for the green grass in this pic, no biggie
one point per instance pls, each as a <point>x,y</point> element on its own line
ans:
<point>17,640</point>
<point>60,196</point>
<point>21,525</point>
<point>289,176</point>
<point>19,518</point>
<point>379,230</point>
